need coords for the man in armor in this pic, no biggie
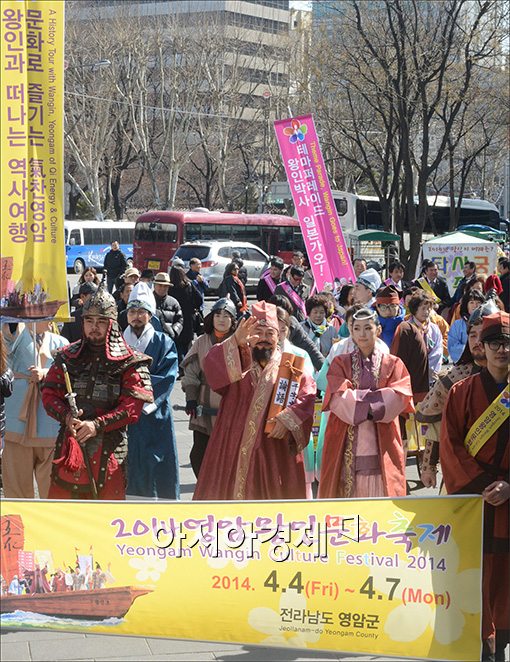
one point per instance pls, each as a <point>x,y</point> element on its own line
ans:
<point>111,383</point>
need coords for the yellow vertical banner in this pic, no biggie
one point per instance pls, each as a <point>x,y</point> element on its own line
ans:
<point>395,577</point>
<point>33,280</point>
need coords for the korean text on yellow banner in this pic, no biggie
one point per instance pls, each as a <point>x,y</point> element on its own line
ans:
<point>33,282</point>
<point>386,577</point>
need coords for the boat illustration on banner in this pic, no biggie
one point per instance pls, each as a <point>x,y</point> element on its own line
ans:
<point>25,588</point>
<point>96,604</point>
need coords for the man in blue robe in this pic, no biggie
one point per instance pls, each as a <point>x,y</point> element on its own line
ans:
<point>153,468</point>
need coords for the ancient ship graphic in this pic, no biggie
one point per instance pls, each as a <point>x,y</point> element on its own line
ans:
<point>91,604</point>
<point>96,604</point>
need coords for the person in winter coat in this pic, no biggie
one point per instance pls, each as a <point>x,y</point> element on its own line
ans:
<point>189,301</point>
<point>115,263</point>
<point>168,309</point>
<point>233,287</point>
<point>243,273</point>
<point>458,333</point>
<point>319,330</point>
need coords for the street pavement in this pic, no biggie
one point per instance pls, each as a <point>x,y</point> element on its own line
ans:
<point>50,645</point>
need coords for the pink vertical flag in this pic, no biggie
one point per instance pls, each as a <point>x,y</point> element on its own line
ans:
<point>313,200</point>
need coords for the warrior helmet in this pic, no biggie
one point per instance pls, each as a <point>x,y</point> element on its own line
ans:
<point>487,308</point>
<point>225,304</point>
<point>101,304</point>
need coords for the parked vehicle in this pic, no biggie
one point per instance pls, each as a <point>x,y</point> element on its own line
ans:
<point>87,242</point>
<point>215,255</point>
<point>158,234</point>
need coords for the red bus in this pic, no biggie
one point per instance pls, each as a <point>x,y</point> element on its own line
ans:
<point>158,234</point>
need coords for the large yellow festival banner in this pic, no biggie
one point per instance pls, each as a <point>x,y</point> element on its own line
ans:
<point>33,281</point>
<point>383,576</point>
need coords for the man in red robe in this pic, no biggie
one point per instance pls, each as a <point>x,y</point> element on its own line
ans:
<point>477,462</point>
<point>363,454</point>
<point>242,461</point>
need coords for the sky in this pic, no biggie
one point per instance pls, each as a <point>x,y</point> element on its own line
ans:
<point>301,4</point>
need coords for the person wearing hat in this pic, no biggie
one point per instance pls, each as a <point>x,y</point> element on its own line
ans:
<point>270,278</point>
<point>153,469</point>
<point>242,460</point>
<point>366,286</point>
<point>115,264</point>
<point>73,330</point>
<point>389,311</point>
<point>202,403</point>
<point>112,383</point>
<point>429,412</point>
<point>131,276</point>
<point>293,289</point>
<point>168,309</point>
<point>474,453</point>
<point>366,392</point>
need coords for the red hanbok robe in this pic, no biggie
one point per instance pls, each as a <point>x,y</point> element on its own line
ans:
<point>464,474</point>
<point>350,406</point>
<point>241,461</point>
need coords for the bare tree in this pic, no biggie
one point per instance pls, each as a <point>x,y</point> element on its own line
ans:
<point>406,67</point>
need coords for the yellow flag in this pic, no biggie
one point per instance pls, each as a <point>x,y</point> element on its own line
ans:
<point>33,280</point>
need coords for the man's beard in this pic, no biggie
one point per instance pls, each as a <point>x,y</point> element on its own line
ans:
<point>137,329</point>
<point>95,342</point>
<point>262,354</point>
<point>478,356</point>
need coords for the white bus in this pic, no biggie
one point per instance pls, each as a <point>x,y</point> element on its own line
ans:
<point>363,212</point>
<point>87,242</point>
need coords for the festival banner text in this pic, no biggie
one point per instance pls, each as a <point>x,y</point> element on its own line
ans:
<point>383,576</point>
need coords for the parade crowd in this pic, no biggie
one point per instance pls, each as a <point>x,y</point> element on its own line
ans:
<point>303,395</point>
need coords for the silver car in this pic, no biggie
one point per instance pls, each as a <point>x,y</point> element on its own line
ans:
<point>215,255</point>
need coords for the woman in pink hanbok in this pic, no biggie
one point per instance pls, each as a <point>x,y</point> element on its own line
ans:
<point>367,390</point>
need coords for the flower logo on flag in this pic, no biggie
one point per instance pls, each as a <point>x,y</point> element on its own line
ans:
<point>295,131</point>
